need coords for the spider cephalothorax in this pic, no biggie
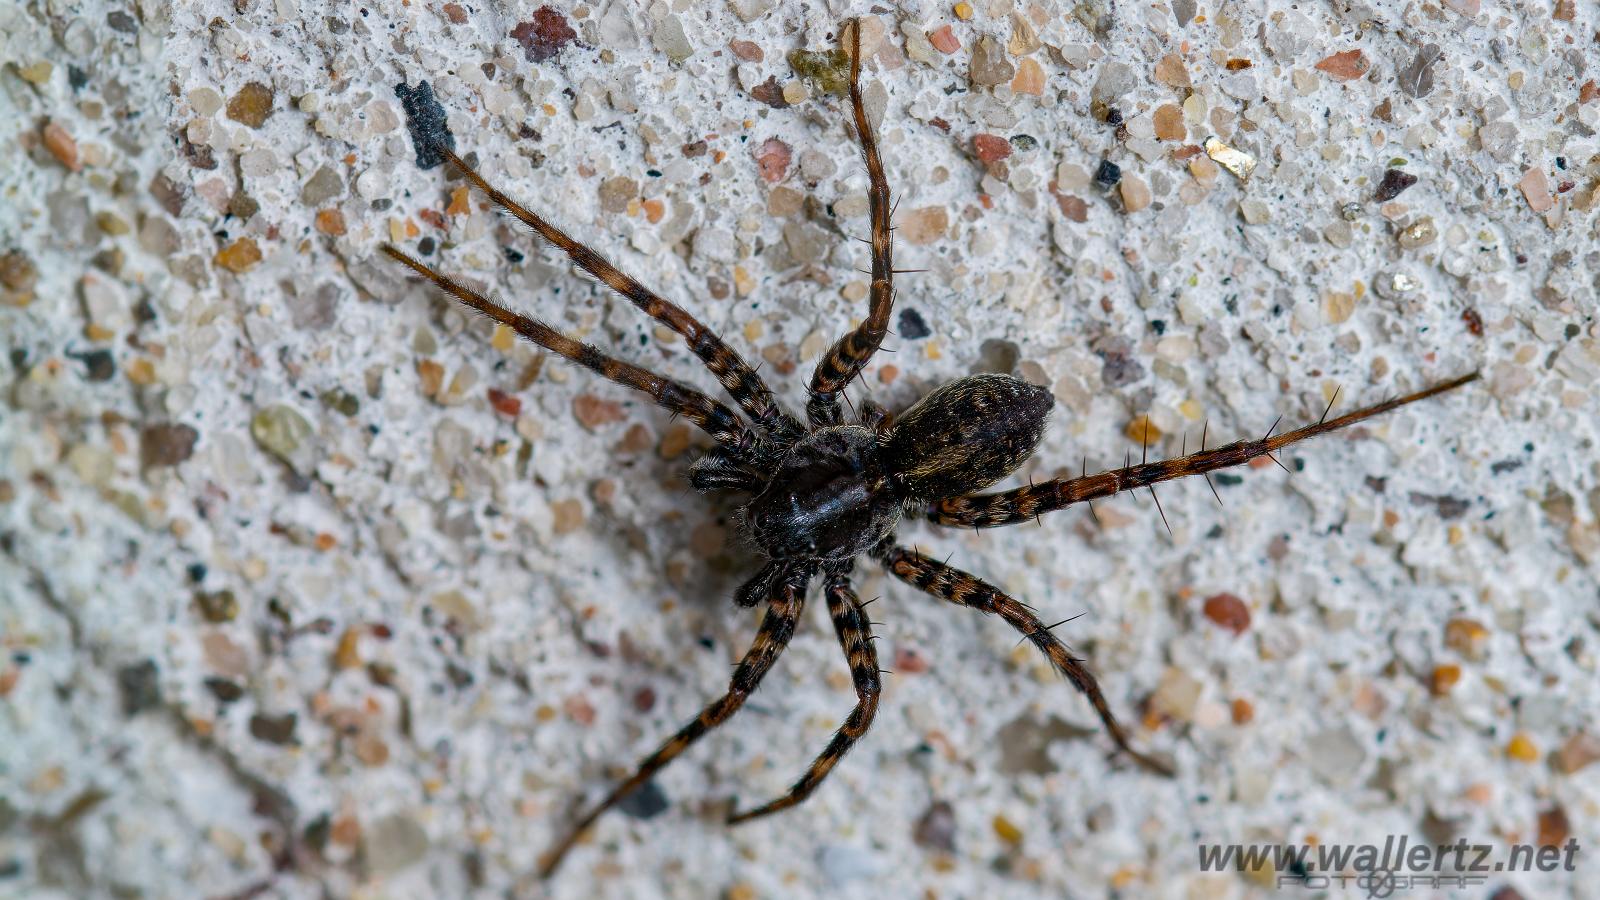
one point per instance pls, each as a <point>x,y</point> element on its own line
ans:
<point>824,492</point>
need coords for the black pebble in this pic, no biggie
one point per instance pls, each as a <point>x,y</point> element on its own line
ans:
<point>647,802</point>
<point>425,120</point>
<point>140,684</point>
<point>1108,174</point>
<point>912,327</point>
<point>101,365</point>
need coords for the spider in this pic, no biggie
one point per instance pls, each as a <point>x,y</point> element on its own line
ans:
<point>822,492</point>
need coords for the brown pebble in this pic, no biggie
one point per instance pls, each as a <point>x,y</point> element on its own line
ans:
<point>908,661</point>
<point>1074,208</point>
<point>593,412</point>
<point>749,51</point>
<point>1578,752</point>
<point>504,403</point>
<point>604,491</point>
<point>567,515</point>
<point>1554,828</point>
<point>331,222</point>
<point>1169,123</point>
<point>455,13</point>
<point>273,729</point>
<point>166,445</point>
<point>936,827</point>
<point>1467,637</point>
<point>251,105</point>
<point>1228,611</point>
<point>17,272</point>
<point>1394,184</point>
<point>544,35</point>
<point>772,160</point>
<point>220,606</point>
<point>925,225</point>
<point>675,441</point>
<point>637,439</point>
<point>62,146</point>
<point>644,699</point>
<point>1171,71</point>
<point>770,92</point>
<point>430,377</point>
<point>371,749</point>
<point>1345,66</point>
<point>579,709</point>
<point>1242,711</point>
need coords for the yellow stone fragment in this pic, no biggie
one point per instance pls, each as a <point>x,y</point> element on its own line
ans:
<point>1522,749</point>
<point>963,11</point>
<point>1191,409</point>
<point>1238,162</point>
<point>1143,431</point>
<point>1337,307</point>
<point>504,339</point>
<point>142,372</point>
<point>1008,832</point>
<point>240,256</point>
<point>38,73</point>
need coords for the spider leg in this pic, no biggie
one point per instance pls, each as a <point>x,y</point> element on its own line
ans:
<point>1023,504</point>
<point>949,583</point>
<point>855,637</point>
<point>717,420</point>
<point>875,416</point>
<point>845,359</point>
<point>777,626</point>
<point>741,382</point>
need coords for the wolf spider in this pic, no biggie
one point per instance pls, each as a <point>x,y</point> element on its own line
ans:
<point>823,492</point>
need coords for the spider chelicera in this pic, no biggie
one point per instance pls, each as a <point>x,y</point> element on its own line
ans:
<point>825,491</point>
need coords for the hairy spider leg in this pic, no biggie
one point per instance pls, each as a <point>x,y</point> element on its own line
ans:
<point>741,382</point>
<point>845,359</point>
<point>722,423</point>
<point>855,638</point>
<point>1023,504</point>
<point>875,415</point>
<point>949,583</point>
<point>777,626</point>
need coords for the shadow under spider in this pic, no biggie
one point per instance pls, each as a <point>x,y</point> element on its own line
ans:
<point>821,493</point>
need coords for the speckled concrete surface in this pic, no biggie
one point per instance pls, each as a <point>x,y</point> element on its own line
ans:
<point>313,585</point>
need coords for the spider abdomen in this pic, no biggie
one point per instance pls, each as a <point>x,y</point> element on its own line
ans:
<point>966,435</point>
<point>831,498</point>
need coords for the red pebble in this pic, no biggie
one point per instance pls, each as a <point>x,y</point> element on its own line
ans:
<point>990,147</point>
